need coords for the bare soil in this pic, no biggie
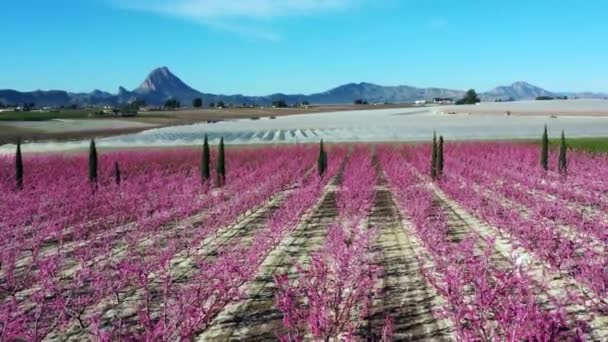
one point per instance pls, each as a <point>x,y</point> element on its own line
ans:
<point>552,285</point>
<point>404,294</point>
<point>255,317</point>
<point>10,134</point>
<point>405,297</point>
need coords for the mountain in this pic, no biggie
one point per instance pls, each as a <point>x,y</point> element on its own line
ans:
<point>374,93</point>
<point>96,97</point>
<point>517,91</point>
<point>39,97</point>
<point>161,85</point>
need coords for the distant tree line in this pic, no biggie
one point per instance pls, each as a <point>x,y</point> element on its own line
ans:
<point>199,103</point>
<point>550,98</point>
<point>360,102</point>
<point>510,99</point>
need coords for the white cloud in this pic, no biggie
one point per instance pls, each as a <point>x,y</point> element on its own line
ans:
<point>244,30</point>
<point>230,15</point>
<point>244,8</point>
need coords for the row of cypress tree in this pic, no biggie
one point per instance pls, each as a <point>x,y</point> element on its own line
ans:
<point>562,162</point>
<point>93,164</point>
<point>206,163</point>
<point>437,160</point>
<point>437,157</point>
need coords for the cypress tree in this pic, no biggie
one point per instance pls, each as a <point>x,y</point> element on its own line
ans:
<point>205,170</point>
<point>544,153</point>
<point>440,157</point>
<point>434,157</point>
<point>563,161</point>
<point>19,166</point>
<point>221,167</point>
<point>324,161</point>
<point>321,160</point>
<point>92,162</point>
<point>116,173</point>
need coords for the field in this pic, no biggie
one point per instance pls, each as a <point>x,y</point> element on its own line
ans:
<point>245,126</point>
<point>70,125</point>
<point>596,145</point>
<point>44,116</point>
<point>495,249</point>
<point>572,107</point>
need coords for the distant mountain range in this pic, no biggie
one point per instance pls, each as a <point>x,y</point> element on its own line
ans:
<point>161,85</point>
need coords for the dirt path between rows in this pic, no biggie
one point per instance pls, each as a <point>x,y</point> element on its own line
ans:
<point>575,234</point>
<point>405,296</point>
<point>182,267</point>
<point>256,317</point>
<point>557,284</point>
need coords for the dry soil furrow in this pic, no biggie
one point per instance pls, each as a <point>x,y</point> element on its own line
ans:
<point>119,250</point>
<point>256,317</point>
<point>182,266</point>
<point>557,283</point>
<point>116,235</point>
<point>578,236</point>
<point>70,265</point>
<point>405,296</point>
<point>118,247</point>
<point>587,211</point>
<point>243,232</point>
<point>572,233</point>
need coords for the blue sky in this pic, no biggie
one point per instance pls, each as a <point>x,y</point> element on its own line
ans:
<point>302,46</point>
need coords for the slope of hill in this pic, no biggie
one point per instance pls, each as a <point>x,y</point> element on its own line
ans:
<point>517,91</point>
<point>161,85</point>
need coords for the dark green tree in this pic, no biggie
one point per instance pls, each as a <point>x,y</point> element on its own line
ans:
<point>434,157</point>
<point>116,173</point>
<point>544,152</point>
<point>172,104</point>
<point>321,160</point>
<point>92,162</point>
<point>470,97</point>
<point>221,167</point>
<point>279,104</point>
<point>440,157</point>
<point>197,102</point>
<point>563,159</point>
<point>205,161</point>
<point>19,166</point>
